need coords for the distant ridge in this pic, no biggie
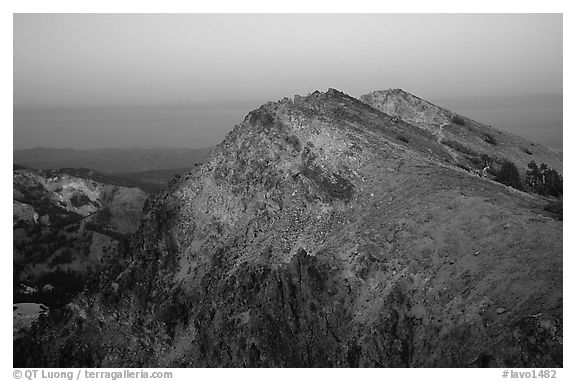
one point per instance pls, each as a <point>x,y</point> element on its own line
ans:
<point>111,160</point>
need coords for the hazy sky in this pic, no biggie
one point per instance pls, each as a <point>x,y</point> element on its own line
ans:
<point>235,62</point>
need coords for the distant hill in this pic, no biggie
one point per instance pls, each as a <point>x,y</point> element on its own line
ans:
<point>148,181</point>
<point>112,160</point>
<point>156,180</point>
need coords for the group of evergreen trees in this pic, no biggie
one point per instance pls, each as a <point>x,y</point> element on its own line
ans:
<point>508,175</point>
<point>544,180</point>
<point>539,179</point>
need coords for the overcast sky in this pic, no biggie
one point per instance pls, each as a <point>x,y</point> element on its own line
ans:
<point>238,61</point>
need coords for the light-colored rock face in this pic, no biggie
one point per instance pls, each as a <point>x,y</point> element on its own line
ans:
<point>74,194</point>
<point>81,196</point>
<point>408,107</point>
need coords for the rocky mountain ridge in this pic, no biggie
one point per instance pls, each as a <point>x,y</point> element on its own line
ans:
<point>464,138</point>
<point>324,232</point>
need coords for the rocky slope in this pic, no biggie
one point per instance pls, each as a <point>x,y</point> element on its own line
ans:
<point>324,232</point>
<point>464,138</point>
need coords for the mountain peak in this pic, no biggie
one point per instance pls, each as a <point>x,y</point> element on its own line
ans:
<point>325,231</point>
<point>393,93</point>
<point>409,107</point>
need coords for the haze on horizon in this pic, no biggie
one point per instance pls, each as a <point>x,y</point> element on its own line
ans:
<point>184,80</point>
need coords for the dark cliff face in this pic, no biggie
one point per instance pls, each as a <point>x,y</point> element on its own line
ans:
<point>323,232</point>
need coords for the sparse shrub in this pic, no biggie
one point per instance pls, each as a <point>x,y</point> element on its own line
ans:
<point>334,186</point>
<point>476,161</point>
<point>526,150</point>
<point>403,138</point>
<point>460,147</point>
<point>543,180</point>
<point>294,142</point>
<point>490,139</point>
<point>79,199</point>
<point>509,175</point>
<point>487,160</point>
<point>456,119</point>
<point>482,161</point>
